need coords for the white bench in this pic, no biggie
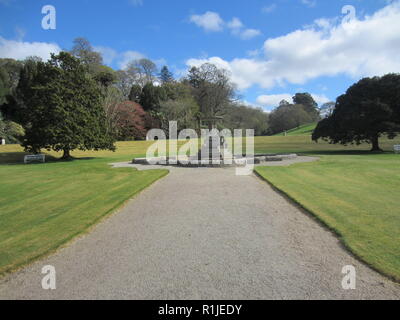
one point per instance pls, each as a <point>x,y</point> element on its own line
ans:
<point>34,158</point>
<point>396,148</point>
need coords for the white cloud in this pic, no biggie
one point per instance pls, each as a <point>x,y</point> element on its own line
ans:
<point>107,53</point>
<point>359,48</point>
<point>237,28</point>
<point>121,59</point>
<point>273,100</point>
<point>235,23</point>
<point>210,21</point>
<point>249,34</point>
<point>127,56</point>
<point>20,50</point>
<point>320,98</point>
<point>253,53</point>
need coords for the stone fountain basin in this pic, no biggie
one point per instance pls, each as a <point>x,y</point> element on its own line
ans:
<point>232,161</point>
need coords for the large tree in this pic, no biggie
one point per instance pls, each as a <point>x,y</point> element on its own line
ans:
<point>165,75</point>
<point>288,116</point>
<point>130,121</point>
<point>83,50</point>
<point>212,89</point>
<point>105,76</point>
<point>142,71</point>
<point>244,117</point>
<point>61,107</point>
<point>183,110</point>
<point>369,109</point>
<point>151,96</point>
<point>125,80</point>
<point>307,101</point>
<point>137,73</point>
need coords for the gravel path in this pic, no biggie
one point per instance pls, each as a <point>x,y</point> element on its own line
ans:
<point>202,234</point>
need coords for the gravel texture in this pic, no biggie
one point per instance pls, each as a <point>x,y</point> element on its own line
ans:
<point>203,233</point>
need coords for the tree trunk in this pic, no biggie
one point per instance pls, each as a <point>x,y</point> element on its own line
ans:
<point>375,144</point>
<point>66,155</point>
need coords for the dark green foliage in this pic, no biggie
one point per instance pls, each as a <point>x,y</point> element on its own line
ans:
<point>4,85</point>
<point>61,107</point>
<point>166,76</point>
<point>309,104</point>
<point>10,131</point>
<point>83,50</point>
<point>9,76</point>
<point>105,76</point>
<point>245,117</point>
<point>151,97</point>
<point>211,88</point>
<point>369,109</point>
<point>12,68</point>
<point>135,93</point>
<point>288,116</point>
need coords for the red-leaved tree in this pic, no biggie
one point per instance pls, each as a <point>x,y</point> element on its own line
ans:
<point>130,121</point>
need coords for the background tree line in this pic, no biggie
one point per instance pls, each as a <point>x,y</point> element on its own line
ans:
<point>288,115</point>
<point>75,101</point>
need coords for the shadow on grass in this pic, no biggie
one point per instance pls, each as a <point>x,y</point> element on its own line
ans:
<point>345,152</point>
<point>72,159</point>
<point>17,158</point>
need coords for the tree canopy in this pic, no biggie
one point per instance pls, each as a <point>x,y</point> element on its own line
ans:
<point>212,89</point>
<point>288,116</point>
<point>61,107</point>
<point>165,75</point>
<point>369,109</point>
<point>307,101</point>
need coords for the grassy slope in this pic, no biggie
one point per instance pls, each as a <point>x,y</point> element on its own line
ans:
<point>304,130</point>
<point>355,193</point>
<point>42,206</point>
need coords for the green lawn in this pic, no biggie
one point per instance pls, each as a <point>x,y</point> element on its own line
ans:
<point>304,130</point>
<point>355,195</point>
<point>42,206</point>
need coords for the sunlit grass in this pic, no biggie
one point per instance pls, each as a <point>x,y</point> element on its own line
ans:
<point>355,195</point>
<point>42,206</point>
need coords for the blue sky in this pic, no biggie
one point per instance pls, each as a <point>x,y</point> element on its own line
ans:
<point>272,48</point>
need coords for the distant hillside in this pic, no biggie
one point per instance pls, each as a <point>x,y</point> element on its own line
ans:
<point>304,130</point>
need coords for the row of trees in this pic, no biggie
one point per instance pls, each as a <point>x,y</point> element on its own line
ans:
<point>73,101</point>
<point>287,115</point>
